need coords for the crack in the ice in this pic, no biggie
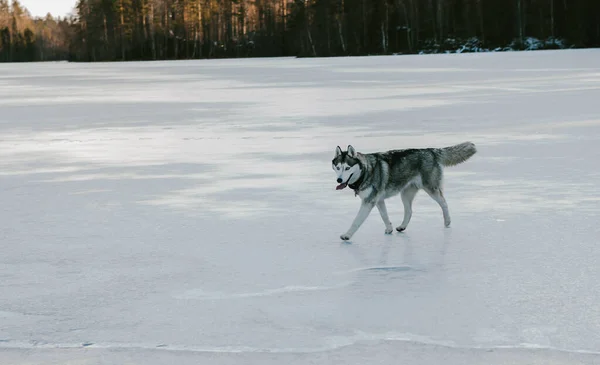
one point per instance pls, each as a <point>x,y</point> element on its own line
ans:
<point>350,341</point>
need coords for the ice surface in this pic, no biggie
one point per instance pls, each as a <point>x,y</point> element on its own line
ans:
<point>188,209</point>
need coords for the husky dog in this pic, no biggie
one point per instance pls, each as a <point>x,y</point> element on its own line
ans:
<point>375,177</point>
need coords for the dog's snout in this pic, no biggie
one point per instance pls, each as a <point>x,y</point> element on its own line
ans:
<point>339,180</point>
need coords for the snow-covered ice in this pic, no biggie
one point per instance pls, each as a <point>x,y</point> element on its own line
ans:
<point>186,212</point>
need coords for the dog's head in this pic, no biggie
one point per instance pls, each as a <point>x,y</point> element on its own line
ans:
<point>347,167</point>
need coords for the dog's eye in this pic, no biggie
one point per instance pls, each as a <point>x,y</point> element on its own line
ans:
<point>338,167</point>
<point>347,168</point>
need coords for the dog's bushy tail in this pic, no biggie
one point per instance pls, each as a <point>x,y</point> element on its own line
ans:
<point>456,154</point>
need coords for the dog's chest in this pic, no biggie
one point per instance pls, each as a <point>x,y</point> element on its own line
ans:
<point>366,193</point>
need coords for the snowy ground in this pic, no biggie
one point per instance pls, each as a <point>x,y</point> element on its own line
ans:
<point>186,212</point>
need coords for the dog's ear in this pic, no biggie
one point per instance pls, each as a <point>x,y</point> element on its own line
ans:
<point>351,151</point>
<point>338,151</point>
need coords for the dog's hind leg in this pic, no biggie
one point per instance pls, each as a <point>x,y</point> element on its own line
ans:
<point>363,213</point>
<point>408,195</point>
<point>384,215</point>
<point>437,195</point>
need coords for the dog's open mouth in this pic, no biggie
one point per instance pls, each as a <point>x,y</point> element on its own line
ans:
<point>343,185</point>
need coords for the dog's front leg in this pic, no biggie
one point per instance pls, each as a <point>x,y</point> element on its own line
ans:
<point>363,213</point>
<point>384,215</point>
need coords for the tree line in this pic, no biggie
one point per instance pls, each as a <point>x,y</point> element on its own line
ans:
<point>24,38</point>
<point>112,30</point>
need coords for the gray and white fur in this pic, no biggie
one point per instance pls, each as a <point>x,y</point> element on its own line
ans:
<point>375,177</point>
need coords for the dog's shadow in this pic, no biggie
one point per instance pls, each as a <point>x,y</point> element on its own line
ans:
<point>392,243</point>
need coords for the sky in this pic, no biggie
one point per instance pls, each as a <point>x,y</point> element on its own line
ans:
<point>42,7</point>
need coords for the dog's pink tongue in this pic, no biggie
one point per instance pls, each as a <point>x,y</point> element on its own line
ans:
<point>341,186</point>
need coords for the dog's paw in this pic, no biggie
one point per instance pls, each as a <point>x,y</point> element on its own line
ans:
<point>400,229</point>
<point>345,237</point>
<point>447,223</point>
<point>389,230</point>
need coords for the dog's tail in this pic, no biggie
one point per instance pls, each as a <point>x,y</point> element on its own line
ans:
<point>456,154</point>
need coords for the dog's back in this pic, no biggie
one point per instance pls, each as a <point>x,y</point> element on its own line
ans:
<point>393,170</point>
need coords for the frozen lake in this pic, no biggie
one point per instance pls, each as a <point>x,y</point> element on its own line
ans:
<point>185,212</point>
